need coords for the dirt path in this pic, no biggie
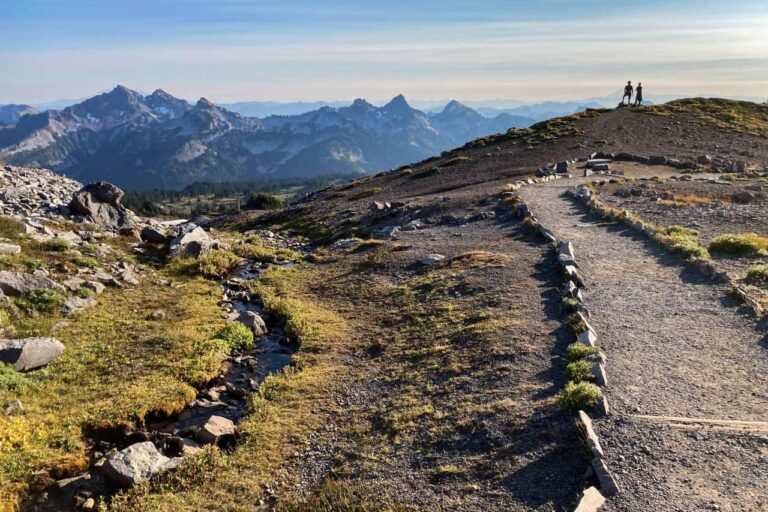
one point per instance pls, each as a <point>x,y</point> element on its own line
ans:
<point>679,353</point>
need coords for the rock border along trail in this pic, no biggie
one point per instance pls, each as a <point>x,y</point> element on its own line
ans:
<point>688,369</point>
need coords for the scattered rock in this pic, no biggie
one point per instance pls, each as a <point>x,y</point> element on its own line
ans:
<point>75,305</point>
<point>153,235</point>
<point>589,433</point>
<point>191,241</point>
<point>19,283</point>
<point>14,407</point>
<point>138,462</point>
<point>215,429</point>
<point>346,243</point>
<point>431,259</point>
<point>9,248</point>
<point>30,353</point>
<point>95,286</point>
<point>607,482</point>
<point>253,321</point>
<point>100,203</point>
<point>591,501</point>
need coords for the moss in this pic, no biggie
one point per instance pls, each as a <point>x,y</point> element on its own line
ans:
<point>580,396</point>
<point>236,337</point>
<point>742,244</point>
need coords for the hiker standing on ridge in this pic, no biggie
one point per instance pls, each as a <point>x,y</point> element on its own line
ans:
<point>639,94</point>
<point>628,90</point>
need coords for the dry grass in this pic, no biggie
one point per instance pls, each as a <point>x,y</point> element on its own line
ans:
<point>690,200</point>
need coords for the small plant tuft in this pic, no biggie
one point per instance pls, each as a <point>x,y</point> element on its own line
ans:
<point>44,300</point>
<point>237,336</point>
<point>580,396</point>
<point>742,244</point>
<point>579,371</point>
<point>576,351</point>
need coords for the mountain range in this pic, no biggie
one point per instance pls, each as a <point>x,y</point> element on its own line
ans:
<point>158,141</point>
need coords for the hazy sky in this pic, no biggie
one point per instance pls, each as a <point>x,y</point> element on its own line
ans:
<point>230,50</point>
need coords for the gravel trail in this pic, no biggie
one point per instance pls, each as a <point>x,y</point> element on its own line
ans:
<point>676,346</point>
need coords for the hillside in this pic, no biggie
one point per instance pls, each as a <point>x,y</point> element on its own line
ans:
<point>158,141</point>
<point>456,334</point>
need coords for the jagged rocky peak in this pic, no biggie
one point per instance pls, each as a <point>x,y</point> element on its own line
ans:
<point>398,102</point>
<point>205,103</point>
<point>454,106</point>
<point>361,104</point>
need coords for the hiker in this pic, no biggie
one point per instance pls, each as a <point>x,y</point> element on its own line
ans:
<point>628,90</point>
<point>639,94</point>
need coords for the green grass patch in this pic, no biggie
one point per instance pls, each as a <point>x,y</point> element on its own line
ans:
<point>236,336</point>
<point>758,274</point>
<point>217,263</point>
<point>369,192</point>
<point>43,300</point>
<point>579,371</point>
<point>576,351</point>
<point>10,227</point>
<point>54,245</point>
<point>735,116</point>
<point>580,396</point>
<point>84,261</point>
<point>742,244</point>
<point>255,250</point>
<point>13,381</point>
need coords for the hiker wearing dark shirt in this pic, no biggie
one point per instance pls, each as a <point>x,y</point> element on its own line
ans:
<point>628,90</point>
<point>639,94</point>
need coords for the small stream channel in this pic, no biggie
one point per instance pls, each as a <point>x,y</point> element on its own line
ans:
<point>177,436</point>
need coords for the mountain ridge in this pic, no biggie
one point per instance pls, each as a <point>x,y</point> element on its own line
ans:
<point>159,141</point>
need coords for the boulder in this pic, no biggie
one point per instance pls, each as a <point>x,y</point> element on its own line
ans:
<point>30,353</point>
<point>95,286</point>
<point>100,203</point>
<point>253,321</point>
<point>431,259</point>
<point>591,501</point>
<point>153,235</point>
<point>215,429</point>
<point>75,305</point>
<point>140,461</point>
<point>607,482</point>
<point>657,160</point>
<point>19,283</point>
<point>191,241</point>
<point>9,248</point>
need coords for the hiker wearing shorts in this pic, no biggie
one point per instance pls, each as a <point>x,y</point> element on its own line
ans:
<point>639,94</point>
<point>628,90</point>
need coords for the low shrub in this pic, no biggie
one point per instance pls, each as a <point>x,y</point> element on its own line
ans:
<point>682,240</point>
<point>84,261</point>
<point>741,244</point>
<point>579,371</point>
<point>44,300</point>
<point>580,396</point>
<point>263,201</point>
<point>256,251</point>
<point>236,336</point>
<point>576,351</point>
<point>758,274</point>
<point>364,193</point>
<point>10,227</point>
<point>217,263</point>
<point>11,380</point>
<point>55,245</point>
<point>85,293</point>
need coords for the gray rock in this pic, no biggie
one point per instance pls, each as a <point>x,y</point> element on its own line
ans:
<point>13,407</point>
<point>588,338</point>
<point>95,286</point>
<point>9,248</point>
<point>253,321</point>
<point>153,235</point>
<point>589,434</point>
<point>140,461</point>
<point>75,305</point>
<point>19,283</point>
<point>216,428</point>
<point>657,160</point>
<point>607,482</point>
<point>100,203</point>
<point>590,501</point>
<point>191,241</point>
<point>30,353</point>
<point>598,370</point>
<point>431,259</point>
<point>346,243</point>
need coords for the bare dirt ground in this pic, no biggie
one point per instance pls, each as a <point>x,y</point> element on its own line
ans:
<point>452,404</point>
<point>677,346</point>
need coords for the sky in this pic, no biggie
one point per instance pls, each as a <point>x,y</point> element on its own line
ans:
<point>293,50</point>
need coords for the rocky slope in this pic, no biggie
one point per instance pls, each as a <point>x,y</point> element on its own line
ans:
<point>160,141</point>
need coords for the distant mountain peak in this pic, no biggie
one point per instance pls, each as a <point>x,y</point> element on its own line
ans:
<point>455,106</point>
<point>204,103</point>
<point>159,93</point>
<point>361,103</point>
